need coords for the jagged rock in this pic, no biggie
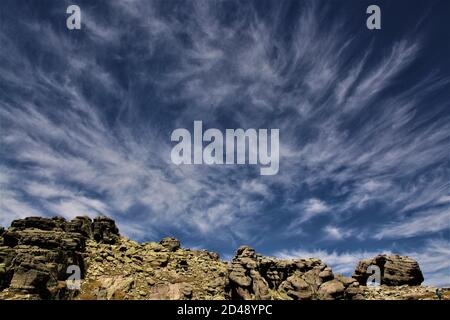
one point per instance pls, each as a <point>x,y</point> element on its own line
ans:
<point>170,243</point>
<point>82,225</point>
<point>395,270</point>
<point>104,230</point>
<point>36,260</point>
<point>40,223</point>
<point>36,252</point>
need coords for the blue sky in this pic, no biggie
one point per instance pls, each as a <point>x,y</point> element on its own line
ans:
<point>86,118</point>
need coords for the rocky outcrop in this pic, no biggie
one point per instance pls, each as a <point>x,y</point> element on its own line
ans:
<point>104,230</point>
<point>395,270</point>
<point>253,276</point>
<point>151,270</point>
<point>35,253</point>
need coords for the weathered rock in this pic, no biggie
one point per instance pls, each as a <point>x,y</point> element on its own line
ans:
<point>326,274</point>
<point>36,253</point>
<point>252,276</point>
<point>40,223</point>
<point>171,291</point>
<point>104,230</point>
<point>82,225</point>
<point>35,260</point>
<point>395,270</point>
<point>330,290</point>
<point>114,287</point>
<point>170,243</point>
<point>346,281</point>
<point>44,239</point>
<point>297,288</point>
<point>214,255</point>
<point>239,275</point>
<point>2,230</point>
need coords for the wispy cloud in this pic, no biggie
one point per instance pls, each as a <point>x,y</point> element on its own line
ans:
<point>426,222</point>
<point>86,121</point>
<point>336,233</point>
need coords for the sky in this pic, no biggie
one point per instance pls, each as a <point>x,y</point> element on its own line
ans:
<point>86,118</point>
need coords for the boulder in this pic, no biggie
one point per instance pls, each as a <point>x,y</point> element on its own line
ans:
<point>297,288</point>
<point>171,244</point>
<point>395,270</point>
<point>331,290</point>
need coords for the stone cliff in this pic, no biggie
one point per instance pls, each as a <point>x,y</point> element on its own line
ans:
<point>36,254</point>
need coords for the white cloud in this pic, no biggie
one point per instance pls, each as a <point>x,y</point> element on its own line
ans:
<point>316,206</point>
<point>336,233</point>
<point>305,211</point>
<point>426,222</point>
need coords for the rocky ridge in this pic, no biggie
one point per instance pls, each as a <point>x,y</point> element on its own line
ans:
<point>35,254</point>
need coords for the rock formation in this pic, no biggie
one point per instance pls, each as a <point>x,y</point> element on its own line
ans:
<point>35,254</point>
<point>151,270</point>
<point>395,270</point>
<point>253,276</point>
